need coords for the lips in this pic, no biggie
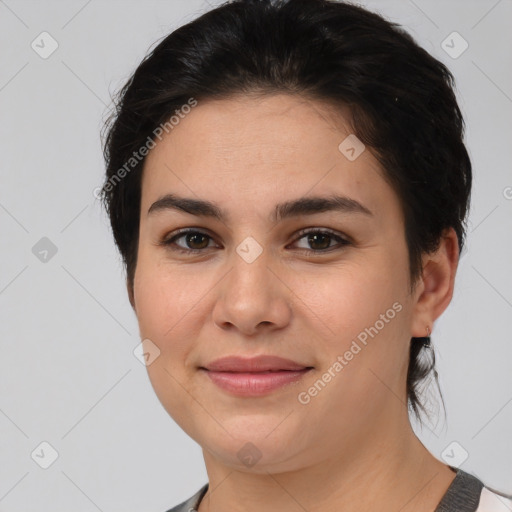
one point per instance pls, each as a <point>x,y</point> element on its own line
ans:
<point>259,364</point>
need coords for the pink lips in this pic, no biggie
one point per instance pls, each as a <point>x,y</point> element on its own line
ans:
<point>254,376</point>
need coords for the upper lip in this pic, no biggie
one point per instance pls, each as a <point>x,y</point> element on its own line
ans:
<point>253,364</point>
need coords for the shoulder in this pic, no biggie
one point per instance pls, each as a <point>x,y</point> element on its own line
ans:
<point>493,501</point>
<point>191,503</point>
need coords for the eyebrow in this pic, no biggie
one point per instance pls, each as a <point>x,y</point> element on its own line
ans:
<point>287,209</point>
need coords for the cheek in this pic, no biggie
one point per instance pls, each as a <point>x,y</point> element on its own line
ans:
<point>359,313</point>
<point>344,300</point>
<point>164,300</point>
<point>165,314</point>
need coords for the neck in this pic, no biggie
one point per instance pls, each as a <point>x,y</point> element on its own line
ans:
<point>385,469</point>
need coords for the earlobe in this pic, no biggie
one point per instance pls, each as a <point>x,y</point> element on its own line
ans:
<point>438,281</point>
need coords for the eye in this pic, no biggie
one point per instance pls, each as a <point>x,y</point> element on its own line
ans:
<point>321,238</point>
<point>196,241</point>
<point>192,237</point>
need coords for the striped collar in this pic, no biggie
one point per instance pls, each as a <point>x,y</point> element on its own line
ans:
<point>463,495</point>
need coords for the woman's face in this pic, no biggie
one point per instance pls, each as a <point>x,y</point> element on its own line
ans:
<point>257,285</point>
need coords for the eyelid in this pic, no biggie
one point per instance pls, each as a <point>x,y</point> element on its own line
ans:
<point>343,240</point>
<point>328,231</point>
<point>169,239</point>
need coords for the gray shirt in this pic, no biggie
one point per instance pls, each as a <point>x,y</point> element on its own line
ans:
<point>463,495</point>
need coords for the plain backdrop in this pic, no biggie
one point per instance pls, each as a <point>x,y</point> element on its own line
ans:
<point>68,376</point>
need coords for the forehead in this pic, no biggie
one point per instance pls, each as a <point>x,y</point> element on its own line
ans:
<point>261,150</point>
<point>248,125</point>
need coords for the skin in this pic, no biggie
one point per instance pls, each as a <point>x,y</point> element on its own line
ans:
<point>351,447</point>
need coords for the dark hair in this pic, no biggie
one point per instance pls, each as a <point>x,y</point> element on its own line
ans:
<point>401,100</point>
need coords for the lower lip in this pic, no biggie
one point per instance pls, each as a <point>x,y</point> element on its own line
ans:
<point>254,384</point>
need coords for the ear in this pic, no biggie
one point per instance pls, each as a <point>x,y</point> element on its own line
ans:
<point>435,289</point>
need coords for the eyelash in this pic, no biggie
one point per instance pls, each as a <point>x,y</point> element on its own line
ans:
<point>170,242</point>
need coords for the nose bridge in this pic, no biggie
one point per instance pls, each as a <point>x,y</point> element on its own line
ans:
<point>250,295</point>
<point>250,275</point>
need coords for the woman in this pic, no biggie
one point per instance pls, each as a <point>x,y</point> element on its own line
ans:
<point>288,185</point>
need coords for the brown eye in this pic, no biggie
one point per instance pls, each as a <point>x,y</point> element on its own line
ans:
<point>195,241</point>
<point>320,240</point>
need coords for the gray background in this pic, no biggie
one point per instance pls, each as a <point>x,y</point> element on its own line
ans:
<point>68,375</point>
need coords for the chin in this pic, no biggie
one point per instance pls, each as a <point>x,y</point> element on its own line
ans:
<point>264,447</point>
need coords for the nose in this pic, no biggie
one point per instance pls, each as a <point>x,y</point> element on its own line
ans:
<point>252,298</point>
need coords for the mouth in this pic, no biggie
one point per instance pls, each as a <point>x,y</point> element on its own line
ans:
<point>254,384</point>
<point>258,364</point>
<point>255,376</point>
